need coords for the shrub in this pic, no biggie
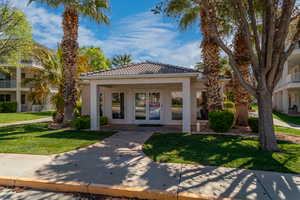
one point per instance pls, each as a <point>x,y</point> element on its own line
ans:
<point>84,122</point>
<point>103,120</point>
<point>78,108</point>
<point>220,121</point>
<point>8,107</point>
<point>81,122</point>
<point>228,105</point>
<point>253,123</point>
<point>54,115</point>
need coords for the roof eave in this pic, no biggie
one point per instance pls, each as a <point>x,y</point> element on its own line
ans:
<point>95,77</point>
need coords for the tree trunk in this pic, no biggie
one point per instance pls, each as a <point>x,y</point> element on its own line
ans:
<point>266,127</point>
<point>69,53</point>
<point>241,114</point>
<point>241,94</point>
<point>211,61</point>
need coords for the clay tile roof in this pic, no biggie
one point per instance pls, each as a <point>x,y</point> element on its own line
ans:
<point>141,69</point>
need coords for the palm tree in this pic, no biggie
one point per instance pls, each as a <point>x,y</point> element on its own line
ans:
<point>242,96</point>
<point>52,77</point>
<point>121,60</point>
<point>73,9</point>
<point>188,12</point>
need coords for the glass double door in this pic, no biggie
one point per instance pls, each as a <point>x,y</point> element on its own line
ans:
<point>147,107</point>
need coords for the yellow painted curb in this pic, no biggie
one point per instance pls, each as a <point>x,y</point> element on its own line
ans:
<point>119,191</point>
<point>191,196</point>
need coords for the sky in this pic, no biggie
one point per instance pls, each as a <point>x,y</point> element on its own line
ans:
<point>133,29</point>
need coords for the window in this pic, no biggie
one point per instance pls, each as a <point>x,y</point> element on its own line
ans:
<point>4,97</point>
<point>176,105</point>
<point>23,99</point>
<point>201,106</point>
<point>118,105</point>
<point>101,104</point>
<point>23,76</point>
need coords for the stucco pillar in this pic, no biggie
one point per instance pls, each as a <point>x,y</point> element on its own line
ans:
<point>18,88</point>
<point>285,101</point>
<point>94,111</point>
<point>186,97</point>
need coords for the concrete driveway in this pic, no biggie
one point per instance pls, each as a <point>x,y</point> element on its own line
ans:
<point>119,160</point>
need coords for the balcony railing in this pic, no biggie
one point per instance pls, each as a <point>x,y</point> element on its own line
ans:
<point>8,83</point>
<point>295,77</point>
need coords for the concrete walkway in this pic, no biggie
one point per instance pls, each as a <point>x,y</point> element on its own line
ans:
<point>48,119</point>
<point>284,124</point>
<point>119,160</point>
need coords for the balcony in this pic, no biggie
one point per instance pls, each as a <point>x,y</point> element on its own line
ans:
<point>294,77</point>
<point>8,83</point>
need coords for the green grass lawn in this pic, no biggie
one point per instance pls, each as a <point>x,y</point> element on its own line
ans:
<point>287,130</point>
<point>38,139</point>
<point>286,118</point>
<point>24,116</point>
<point>220,150</point>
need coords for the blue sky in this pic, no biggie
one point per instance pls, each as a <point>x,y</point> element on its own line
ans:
<point>133,29</point>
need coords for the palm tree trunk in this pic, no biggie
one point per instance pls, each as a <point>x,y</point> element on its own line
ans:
<point>211,61</point>
<point>69,53</point>
<point>241,94</point>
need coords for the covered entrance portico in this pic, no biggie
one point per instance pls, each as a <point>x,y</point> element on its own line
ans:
<point>145,93</point>
<point>146,101</point>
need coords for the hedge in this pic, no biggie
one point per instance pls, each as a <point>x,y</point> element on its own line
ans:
<point>221,121</point>
<point>8,107</point>
<point>84,122</point>
<point>253,123</point>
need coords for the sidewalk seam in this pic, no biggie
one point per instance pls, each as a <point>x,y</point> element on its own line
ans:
<point>262,185</point>
<point>179,181</point>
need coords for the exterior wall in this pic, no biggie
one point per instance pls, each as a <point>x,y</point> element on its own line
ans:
<point>129,92</point>
<point>18,89</point>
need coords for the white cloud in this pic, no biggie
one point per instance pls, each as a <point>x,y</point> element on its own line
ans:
<point>47,25</point>
<point>143,35</point>
<point>146,37</point>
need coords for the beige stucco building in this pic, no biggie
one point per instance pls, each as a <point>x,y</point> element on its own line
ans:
<point>286,97</point>
<point>145,93</point>
<point>13,89</point>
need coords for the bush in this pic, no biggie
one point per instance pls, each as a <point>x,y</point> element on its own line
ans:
<point>81,122</point>
<point>253,123</point>
<point>54,115</point>
<point>220,121</point>
<point>78,108</point>
<point>8,107</point>
<point>228,105</point>
<point>103,120</point>
<point>84,122</point>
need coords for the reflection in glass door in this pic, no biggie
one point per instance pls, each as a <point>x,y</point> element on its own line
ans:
<point>140,106</point>
<point>154,106</point>
<point>147,106</point>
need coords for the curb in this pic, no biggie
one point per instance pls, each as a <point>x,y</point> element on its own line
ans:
<point>118,191</point>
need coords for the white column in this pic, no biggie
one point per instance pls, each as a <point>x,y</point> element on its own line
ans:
<point>18,88</point>
<point>186,94</point>
<point>285,101</point>
<point>94,111</point>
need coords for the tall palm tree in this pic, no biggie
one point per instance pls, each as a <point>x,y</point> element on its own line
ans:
<point>242,96</point>
<point>73,9</point>
<point>188,12</point>
<point>121,60</point>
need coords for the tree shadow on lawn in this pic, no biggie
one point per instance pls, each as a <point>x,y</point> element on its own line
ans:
<point>42,131</point>
<point>23,129</point>
<point>212,150</point>
<point>119,160</point>
<point>80,135</point>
